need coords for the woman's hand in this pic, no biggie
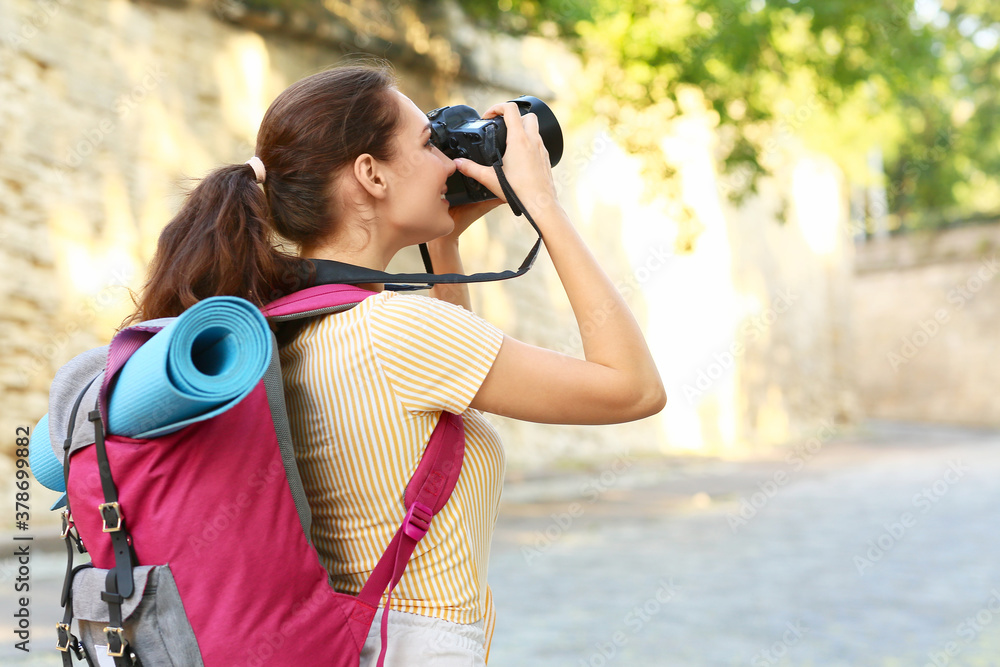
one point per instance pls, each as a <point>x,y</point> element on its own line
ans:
<point>444,251</point>
<point>525,160</point>
<point>465,214</point>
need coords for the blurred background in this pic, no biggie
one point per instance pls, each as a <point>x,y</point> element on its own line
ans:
<point>798,198</point>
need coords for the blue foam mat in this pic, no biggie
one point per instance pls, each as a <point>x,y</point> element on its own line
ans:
<point>198,366</point>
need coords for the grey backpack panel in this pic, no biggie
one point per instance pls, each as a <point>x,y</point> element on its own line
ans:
<point>156,626</point>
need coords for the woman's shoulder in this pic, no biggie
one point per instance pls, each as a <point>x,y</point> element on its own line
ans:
<point>409,305</point>
<point>391,311</point>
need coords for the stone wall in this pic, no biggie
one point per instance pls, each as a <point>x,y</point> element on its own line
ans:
<point>926,311</point>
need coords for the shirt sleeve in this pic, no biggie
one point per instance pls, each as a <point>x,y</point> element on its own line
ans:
<point>435,354</point>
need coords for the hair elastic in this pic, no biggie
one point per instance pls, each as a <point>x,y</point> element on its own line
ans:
<point>258,168</point>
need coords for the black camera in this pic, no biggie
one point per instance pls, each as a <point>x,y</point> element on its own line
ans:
<point>459,132</point>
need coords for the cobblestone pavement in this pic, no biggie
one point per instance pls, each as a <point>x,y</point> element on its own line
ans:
<point>879,550</point>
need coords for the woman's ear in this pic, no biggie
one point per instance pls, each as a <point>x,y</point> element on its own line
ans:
<point>369,174</point>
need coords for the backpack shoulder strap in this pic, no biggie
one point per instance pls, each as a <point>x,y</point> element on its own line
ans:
<point>314,301</point>
<point>279,416</point>
<point>428,491</point>
<point>310,302</point>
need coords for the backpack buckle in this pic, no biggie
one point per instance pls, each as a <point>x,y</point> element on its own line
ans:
<point>67,521</point>
<point>116,648</point>
<point>77,649</point>
<point>116,514</point>
<point>418,520</point>
<point>63,637</point>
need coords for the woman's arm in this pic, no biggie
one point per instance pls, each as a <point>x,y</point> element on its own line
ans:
<point>445,256</point>
<point>617,380</point>
<point>446,259</point>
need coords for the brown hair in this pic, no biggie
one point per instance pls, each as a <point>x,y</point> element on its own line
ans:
<point>222,241</point>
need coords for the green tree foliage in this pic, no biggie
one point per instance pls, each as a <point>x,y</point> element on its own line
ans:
<point>915,80</point>
<point>550,17</point>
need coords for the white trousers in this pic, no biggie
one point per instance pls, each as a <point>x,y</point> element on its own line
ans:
<point>418,641</point>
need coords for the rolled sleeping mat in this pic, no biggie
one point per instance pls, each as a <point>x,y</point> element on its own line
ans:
<point>44,464</point>
<point>198,366</point>
<point>217,350</point>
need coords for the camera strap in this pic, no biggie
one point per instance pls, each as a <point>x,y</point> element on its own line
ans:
<point>333,272</point>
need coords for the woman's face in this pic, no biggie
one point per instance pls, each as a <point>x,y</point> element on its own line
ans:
<point>419,172</point>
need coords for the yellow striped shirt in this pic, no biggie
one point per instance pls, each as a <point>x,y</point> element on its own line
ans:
<point>364,390</point>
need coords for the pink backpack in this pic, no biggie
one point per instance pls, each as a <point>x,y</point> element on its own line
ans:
<point>199,540</point>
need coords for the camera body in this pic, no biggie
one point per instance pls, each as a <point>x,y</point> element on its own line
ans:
<point>459,132</point>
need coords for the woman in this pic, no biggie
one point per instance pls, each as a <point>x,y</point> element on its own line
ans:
<point>349,174</point>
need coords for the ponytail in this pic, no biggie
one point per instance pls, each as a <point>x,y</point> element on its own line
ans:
<point>224,240</point>
<point>219,243</point>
